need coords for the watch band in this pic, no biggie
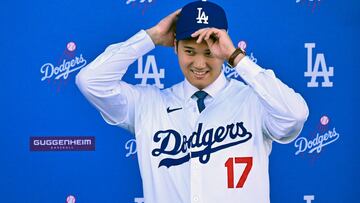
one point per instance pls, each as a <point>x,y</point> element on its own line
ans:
<point>234,55</point>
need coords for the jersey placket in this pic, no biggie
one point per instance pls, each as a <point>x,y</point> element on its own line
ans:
<point>195,171</point>
<point>195,180</point>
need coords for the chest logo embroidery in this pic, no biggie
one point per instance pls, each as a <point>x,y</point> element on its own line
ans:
<point>171,110</point>
<point>172,143</point>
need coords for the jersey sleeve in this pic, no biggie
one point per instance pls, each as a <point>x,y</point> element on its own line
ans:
<point>284,110</point>
<point>101,84</point>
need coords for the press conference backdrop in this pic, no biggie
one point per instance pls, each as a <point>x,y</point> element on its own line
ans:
<point>55,147</point>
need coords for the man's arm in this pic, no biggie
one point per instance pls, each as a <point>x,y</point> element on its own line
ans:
<point>101,83</point>
<point>285,111</point>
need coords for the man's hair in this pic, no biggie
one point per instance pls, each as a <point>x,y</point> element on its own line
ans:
<point>177,42</point>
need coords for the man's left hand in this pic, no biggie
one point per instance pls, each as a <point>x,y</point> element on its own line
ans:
<point>218,41</point>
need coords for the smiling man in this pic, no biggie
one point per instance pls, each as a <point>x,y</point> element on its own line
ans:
<point>208,138</point>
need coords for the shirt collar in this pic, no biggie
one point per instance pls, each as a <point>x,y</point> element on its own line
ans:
<point>213,89</point>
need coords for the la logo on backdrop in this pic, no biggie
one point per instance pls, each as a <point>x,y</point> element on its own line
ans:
<point>313,69</point>
<point>150,71</point>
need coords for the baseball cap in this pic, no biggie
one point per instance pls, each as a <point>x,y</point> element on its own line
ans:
<point>197,15</point>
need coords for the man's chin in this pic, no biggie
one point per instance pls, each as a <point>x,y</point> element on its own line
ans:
<point>199,84</point>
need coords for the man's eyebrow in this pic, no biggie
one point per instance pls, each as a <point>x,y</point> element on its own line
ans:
<point>187,47</point>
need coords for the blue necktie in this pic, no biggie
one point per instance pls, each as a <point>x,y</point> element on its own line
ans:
<point>200,101</point>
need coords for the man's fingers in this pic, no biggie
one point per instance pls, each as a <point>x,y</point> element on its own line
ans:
<point>206,33</point>
<point>175,14</point>
<point>171,19</point>
<point>199,32</point>
<point>196,33</point>
<point>201,36</point>
<point>209,42</point>
<point>209,34</point>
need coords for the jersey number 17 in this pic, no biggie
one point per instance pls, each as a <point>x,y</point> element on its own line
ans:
<point>229,164</point>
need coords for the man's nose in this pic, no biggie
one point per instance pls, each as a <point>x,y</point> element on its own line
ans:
<point>200,62</point>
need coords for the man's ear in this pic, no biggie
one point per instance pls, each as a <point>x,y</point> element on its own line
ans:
<point>175,46</point>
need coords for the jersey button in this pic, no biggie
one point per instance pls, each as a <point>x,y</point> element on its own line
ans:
<point>196,198</point>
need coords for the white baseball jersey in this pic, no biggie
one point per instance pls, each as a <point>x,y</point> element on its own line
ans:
<point>218,155</point>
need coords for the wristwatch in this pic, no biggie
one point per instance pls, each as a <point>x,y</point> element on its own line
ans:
<point>234,55</point>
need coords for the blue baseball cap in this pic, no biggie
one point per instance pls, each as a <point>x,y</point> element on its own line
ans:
<point>197,15</point>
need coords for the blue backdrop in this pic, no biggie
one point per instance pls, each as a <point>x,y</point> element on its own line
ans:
<point>310,44</point>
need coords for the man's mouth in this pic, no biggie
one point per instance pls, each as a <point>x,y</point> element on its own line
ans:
<point>199,74</point>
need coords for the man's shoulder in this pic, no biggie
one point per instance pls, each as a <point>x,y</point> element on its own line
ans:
<point>174,89</point>
<point>236,84</point>
<point>154,91</point>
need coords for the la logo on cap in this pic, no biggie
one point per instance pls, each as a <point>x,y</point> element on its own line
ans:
<point>202,17</point>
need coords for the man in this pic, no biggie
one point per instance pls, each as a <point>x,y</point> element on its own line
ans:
<point>206,139</point>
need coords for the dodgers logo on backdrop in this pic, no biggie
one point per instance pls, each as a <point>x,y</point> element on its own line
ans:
<point>144,73</point>
<point>316,144</point>
<point>206,142</point>
<point>50,70</point>
<point>69,64</point>
<point>202,17</point>
<point>325,137</point>
<point>313,69</point>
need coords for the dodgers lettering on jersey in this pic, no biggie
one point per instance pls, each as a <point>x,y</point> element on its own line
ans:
<point>237,132</point>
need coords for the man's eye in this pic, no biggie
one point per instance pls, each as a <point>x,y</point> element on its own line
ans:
<point>190,52</point>
<point>208,54</point>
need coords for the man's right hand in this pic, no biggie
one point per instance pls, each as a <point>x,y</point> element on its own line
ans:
<point>164,32</point>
